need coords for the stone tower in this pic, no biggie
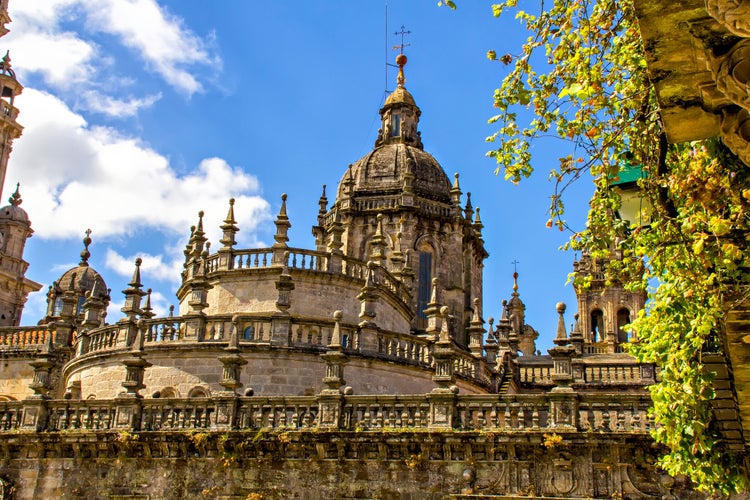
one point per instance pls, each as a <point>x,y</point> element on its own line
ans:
<point>397,207</point>
<point>15,226</point>
<point>604,309</point>
<point>10,129</point>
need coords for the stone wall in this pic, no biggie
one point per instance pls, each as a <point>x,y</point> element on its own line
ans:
<point>314,465</point>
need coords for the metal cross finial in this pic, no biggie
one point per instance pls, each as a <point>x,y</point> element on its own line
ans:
<point>403,33</point>
<point>515,265</point>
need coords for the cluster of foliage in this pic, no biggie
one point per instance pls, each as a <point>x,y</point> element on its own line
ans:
<point>583,73</point>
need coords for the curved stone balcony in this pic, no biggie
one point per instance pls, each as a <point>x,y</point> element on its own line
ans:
<point>283,356</point>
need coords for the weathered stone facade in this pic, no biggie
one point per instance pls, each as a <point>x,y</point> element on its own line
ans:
<point>361,369</point>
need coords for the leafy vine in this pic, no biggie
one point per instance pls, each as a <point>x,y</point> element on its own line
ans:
<point>581,78</point>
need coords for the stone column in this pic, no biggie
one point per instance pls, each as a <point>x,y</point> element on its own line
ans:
<point>232,363</point>
<point>330,400</point>
<point>281,322</point>
<point>563,399</point>
<point>368,297</point>
<point>128,403</point>
<point>443,397</point>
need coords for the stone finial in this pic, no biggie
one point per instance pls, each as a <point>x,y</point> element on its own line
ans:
<point>562,335</point>
<point>282,226</point>
<point>336,335</point>
<point>401,62</point>
<point>445,334</point>
<point>468,210</point>
<point>148,311</point>
<point>229,228</point>
<point>476,330</point>
<point>323,202</point>
<point>85,254</point>
<point>133,294</point>
<point>135,281</point>
<point>478,221</point>
<point>15,198</point>
<point>456,191</point>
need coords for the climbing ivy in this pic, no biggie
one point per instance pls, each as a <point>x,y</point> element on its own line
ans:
<point>582,73</point>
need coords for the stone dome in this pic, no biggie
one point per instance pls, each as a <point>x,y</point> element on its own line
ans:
<point>383,171</point>
<point>14,212</point>
<point>82,278</point>
<point>400,96</point>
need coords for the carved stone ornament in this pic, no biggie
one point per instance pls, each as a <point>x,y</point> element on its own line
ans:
<point>732,73</point>
<point>735,131</point>
<point>734,15</point>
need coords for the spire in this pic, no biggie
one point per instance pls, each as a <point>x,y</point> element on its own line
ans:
<point>85,254</point>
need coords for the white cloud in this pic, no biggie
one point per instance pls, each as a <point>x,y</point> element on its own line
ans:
<point>153,266</point>
<point>159,37</point>
<point>63,59</point>
<point>46,39</point>
<point>112,106</point>
<point>74,176</point>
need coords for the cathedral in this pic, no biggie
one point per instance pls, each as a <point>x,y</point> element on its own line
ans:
<point>362,368</point>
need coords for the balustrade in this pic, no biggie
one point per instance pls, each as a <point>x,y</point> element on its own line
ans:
<point>277,413</point>
<point>252,259</point>
<point>167,414</point>
<point>531,374</point>
<point>610,413</point>
<point>81,415</point>
<point>21,338</point>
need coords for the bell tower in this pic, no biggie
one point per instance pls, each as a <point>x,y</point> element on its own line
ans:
<point>10,129</point>
<point>15,227</point>
<point>604,308</point>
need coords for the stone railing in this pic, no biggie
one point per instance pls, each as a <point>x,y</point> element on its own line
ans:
<point>307,260</point>
<point>616,374</point>
<point>536,374</point>
<point>405,348</point>
<point>7,111</point>
<point>24,338</point>
<point>433,208</point>
<point>250,259</point>
<point>386,280</point>
<point>492,412</point>
<point>354,268</point>
<point>102,339</point>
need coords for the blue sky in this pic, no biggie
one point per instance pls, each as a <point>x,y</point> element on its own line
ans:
<point>140,113</point>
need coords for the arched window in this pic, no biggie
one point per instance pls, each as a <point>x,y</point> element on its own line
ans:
<point>58,307</point>
<point>623,318</point>
<point>198,392</point>
<point>395,124</point>
<point>249,333</point>
<point>169,392</point>
<point>423,292</point>
<point>597,326</point>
